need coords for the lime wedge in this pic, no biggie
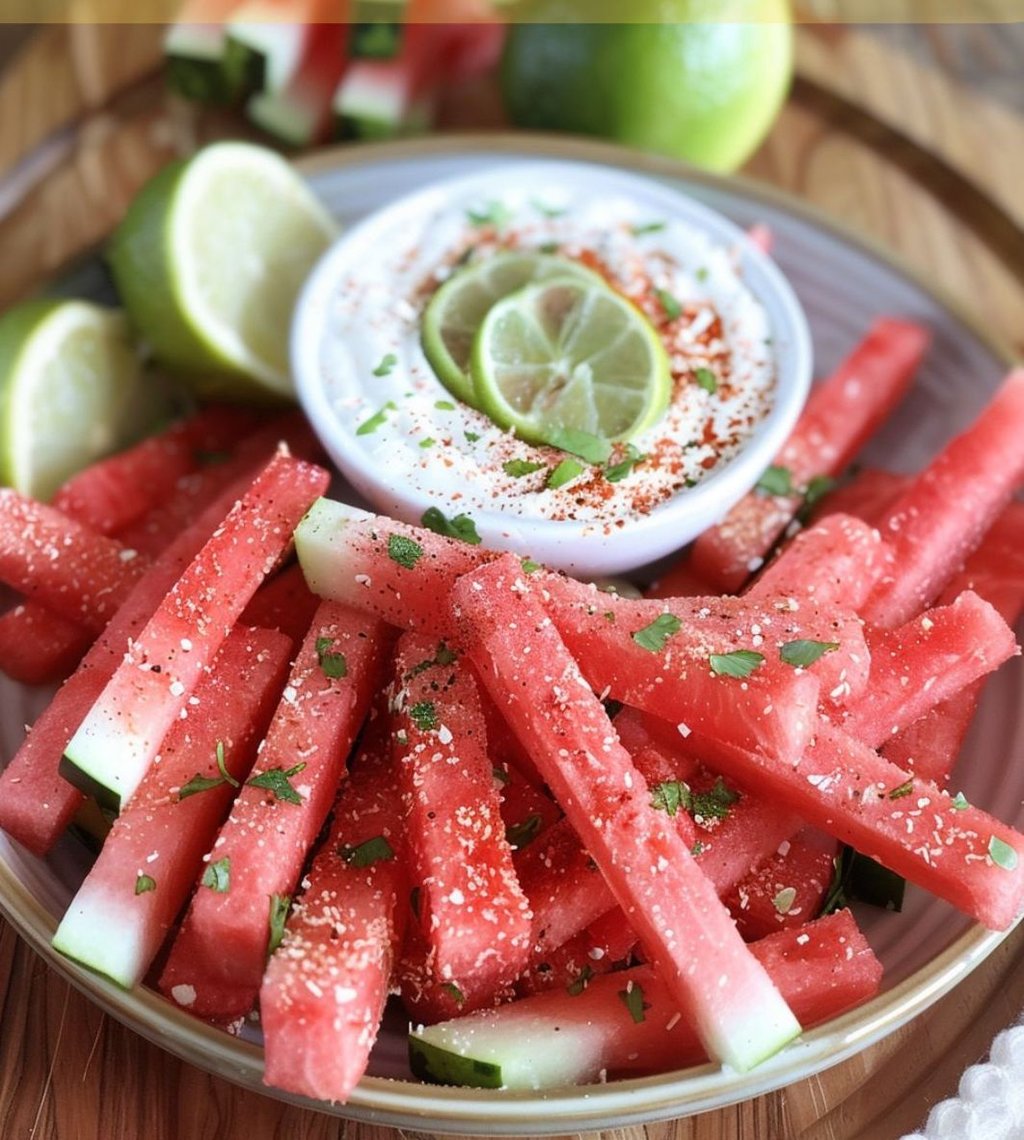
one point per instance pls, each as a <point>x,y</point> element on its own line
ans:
<point>456,310</point>
<point>566,356</point>
<point>209,260</point>
<point>71,391</point>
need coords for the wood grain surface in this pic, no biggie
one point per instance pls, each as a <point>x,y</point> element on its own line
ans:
<point>912,136</point>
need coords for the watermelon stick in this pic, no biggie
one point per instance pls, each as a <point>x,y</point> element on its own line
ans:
<point>946,510</point>
<point>841,415</point>
<point>115,743</point>
<point>325,986</point>
<point>738,1013</point>
<point>219,954</point>
<point>632,1021</point>
<point>36,803</point>
<point>131,897</point>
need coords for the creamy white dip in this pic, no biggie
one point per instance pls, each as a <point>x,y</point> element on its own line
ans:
<point>380,384</point>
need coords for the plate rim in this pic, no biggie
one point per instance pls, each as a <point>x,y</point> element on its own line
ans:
<point>633,1101</point>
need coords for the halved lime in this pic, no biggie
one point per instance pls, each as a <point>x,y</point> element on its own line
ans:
<point>71,391</point>
<point>568,356</point>
<point>209,260</point>
<point>456,310</point>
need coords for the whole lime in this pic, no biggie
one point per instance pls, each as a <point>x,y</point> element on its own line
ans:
<point>704,87</point>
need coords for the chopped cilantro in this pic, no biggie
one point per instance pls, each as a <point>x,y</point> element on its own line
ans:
<point>226,776</point>
<point>144,883</point>
<point>653,637</point>
<point>738,663</point>
<point>493,213</point>
<point>670,306</point>
<point>405,551</point>
<point>564,473</point>
<point>444,405</point>
<point>1002,854</point>
<point>276,780</point>
<point>517,468</point>
<point>586,446</point>
<point>377,419</point>
<point>472,436</point>
<point>633,999</point>
<point>783,901</point>
<point>669,796</point>
<point>642,228</point>
<point>817,488</point>
<point>706,379</point>
<point>701,273</point>
<point>423,714</point>
<point>697,849</point>
<point>428,442</point>
<point>453,991</point>
<point>521,835</point>
<point>334,665</point>
<point>579,983</point>
<point>217,876</point>
<point>959,802</point>
<point>461,526</point>
<point>375,850</point>
<point>443,656</point>
<point>199,784</point>
<point>618,471</point>
<point>715,802</point>
<point>803,652</point>
<point>387,363</point>
<point>775,481</point>
<point>279,907</point>
<point>902,790</point>
<point>529,566</point>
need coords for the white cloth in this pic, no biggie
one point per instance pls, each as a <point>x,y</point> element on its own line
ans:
<point>991,1101</point>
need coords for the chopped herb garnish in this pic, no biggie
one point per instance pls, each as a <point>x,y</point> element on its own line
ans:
<point>1002,854</point>
<point>333,664</point>
<point>222,767</point>
<point>646,228</point>
<point>461,526</point>
<point>738,663</point>
<point>609,617</point>
<point>669,796</point>
<point>428,442</point>
<point>902,790</point>
<point>217,876</point>
<point>405,551</point>
<point>670,306</point>
<point>453,991</point>
<point>423,714</point>
<point>199,784</point>
<point>493,213</point>
<point>276,780</point>
<point>517,468</point>
<point>579,983</point>
<point>521,835</point>
<point>653,637</point>
<point>633,999</point>
<point>375,850</point>
<point>590,448</point>
<point>701,273</point>
<point>387,363</point>
<point>706,379</point>
<point>472,436</point>
<point>529,566</point>
<point>715,802</point>
<point>617,471</point>
<point>444,405</point>
<point>144,883</point>
<point>546,210</point>
<point>803,652</point>
<point>443,656</point>
<point>783,901</point>
<point>377,419</point>
<point>279,907</point>
<point>775,481</point>
<point>817,488</point>
<point>564,473</point>
<point>697,849</point>
<point>959,802</point>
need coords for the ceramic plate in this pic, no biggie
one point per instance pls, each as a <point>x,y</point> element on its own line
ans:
<point>926,950</point>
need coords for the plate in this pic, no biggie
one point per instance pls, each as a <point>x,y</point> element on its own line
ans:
<point>843,283</point>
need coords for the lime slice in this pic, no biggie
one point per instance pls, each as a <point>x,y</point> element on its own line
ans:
<point>565,356</point>
<point>209,260</point>
<point>456,310</point>
<point>71,391</point>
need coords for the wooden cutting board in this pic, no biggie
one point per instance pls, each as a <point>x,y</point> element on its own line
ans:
<point>910,135</point>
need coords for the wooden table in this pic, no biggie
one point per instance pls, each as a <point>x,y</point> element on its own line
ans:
<point>913,136</point>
